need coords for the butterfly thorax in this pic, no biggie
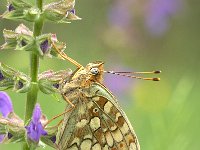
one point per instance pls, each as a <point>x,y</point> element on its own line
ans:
<point>82,79</point>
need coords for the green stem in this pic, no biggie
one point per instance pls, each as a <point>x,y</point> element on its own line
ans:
<point>34,66</point>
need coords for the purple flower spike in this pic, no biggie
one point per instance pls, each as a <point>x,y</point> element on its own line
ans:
<point>159,14</point>
<point>119,14</point>
<point>5,104</point>
<point>35,129</point>
<point>44,46</point>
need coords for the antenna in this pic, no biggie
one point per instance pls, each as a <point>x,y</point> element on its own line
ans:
<point>129,74</point>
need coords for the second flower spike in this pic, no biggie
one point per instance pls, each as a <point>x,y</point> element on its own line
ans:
<point>13,129</point>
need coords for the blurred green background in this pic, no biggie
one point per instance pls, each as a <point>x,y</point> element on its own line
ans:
<point>136,36</point>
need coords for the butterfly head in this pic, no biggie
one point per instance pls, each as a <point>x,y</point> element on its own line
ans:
<point>95,71</point>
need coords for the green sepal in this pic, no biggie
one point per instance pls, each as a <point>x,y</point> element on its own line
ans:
<point>61,46</point>
<point>7,71</point>
<point>6,81</point>
<point>29,40</point>
<point>14,15</point>
<point>3,123</point>
<point>52,132</point>
<point>22,83</point>
<point>19,4</point>
<point>10,39</point>
<point>69,17</point>
<point>6,84</point>
<point>20,39</point>
<point>31,144</point>
<point>21,10</point>
<point>59,12</point>
<point>49,81</point>
<point>39,40</point>
<point>47,87</point>
<point>14,79</point>
<point>30,15</point>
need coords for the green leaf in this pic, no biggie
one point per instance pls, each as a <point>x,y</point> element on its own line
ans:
<point>52,132</point>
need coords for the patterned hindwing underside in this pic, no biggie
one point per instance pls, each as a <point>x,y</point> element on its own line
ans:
<point>97,124</point>
<point>119,134</point>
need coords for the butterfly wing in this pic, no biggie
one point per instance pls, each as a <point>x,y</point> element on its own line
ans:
<point>96,123</point>
<point>120,133</point>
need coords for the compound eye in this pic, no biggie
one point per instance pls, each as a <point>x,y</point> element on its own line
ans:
<point>94,71</point>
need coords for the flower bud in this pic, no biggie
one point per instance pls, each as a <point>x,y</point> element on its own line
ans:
<point>49,81</point>
<point>20,39</point>
<point>61,11</point>
<point>43,45</point>
<point>11,78</point>
<point>31,14</point>
<point>22,83</point>
<point>57,45</point>
<point>11,7</point>
<point>19,9</point>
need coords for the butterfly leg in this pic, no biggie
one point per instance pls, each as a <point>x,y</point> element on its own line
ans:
<point>57,116</point>
<point>68,101</point>
<point>66,111</point>
<point>64,56</point>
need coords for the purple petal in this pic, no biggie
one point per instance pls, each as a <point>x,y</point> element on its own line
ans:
<point>56,85</point>
<point>20,85</point>
<point>5,104</point>
<point>36,114</point>
<point>9,135</point>
<point>44,46</point>
<point>35,129</point>
<point>53,139</point>
<point>54,38</point>
<point>23,43</point>
<point>1,137</point>
<point>11,7</point>
<point>22,29</point>
<point>72,11</point>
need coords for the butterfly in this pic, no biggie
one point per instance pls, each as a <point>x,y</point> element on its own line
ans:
<point>96,122</point>
<point>94,119</point>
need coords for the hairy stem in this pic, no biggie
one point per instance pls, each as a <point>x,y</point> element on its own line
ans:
<point>34,66</point>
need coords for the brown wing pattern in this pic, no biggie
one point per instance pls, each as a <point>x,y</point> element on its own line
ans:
<point>119,135</point>
<point>96,124</point>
